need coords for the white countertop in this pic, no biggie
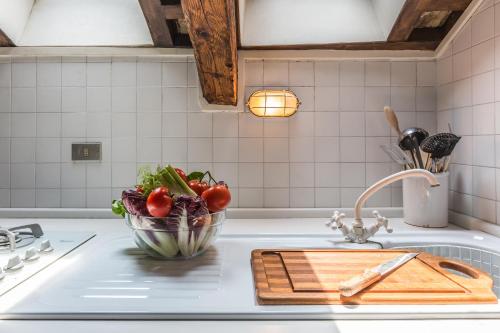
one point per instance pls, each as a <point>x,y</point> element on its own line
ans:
<point>274,228</point>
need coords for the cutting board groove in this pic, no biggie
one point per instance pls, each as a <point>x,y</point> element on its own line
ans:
<point>284,276</point>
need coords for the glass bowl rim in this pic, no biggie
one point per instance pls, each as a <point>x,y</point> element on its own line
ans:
<point>127,217</point>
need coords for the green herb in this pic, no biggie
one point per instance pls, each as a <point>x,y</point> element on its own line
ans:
<point>163,177</point>
<point>118,208</point>
<point>196,175</point>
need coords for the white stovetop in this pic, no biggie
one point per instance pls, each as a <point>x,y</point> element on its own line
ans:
<point>46,294</point>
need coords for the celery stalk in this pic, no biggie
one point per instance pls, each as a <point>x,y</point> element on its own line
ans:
<point>180,182</point>
<point>170,182</point>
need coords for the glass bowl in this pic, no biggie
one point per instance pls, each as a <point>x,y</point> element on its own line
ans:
<point>175,237</point>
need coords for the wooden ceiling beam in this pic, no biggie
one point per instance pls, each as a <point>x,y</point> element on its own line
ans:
<point>427,34</point>
<point>173,12</point>
<point>412,10</point>
<point>407,20</point>
<point>367,46</point>
<point>212,30</point>
<point>155,18</point>
<point>451,5</point>
<point>5,41</point>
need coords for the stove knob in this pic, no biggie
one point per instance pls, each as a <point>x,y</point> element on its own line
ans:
<point>45,246</point>
<point>2,273</point>
<point>14,263</point>
<point>31,254</point>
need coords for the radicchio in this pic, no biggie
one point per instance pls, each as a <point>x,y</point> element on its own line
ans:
<point>194,207</point>
<point>135,203</point>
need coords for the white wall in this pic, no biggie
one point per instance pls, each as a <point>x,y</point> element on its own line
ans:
<point>14,16</point>
<point>468,78</point>
<point>309,22</point>
<point>146,112</point>
<point>85,23</point>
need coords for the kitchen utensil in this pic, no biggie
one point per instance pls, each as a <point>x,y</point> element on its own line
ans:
<point>175,237</point>
<point>357,283</point>
<point>411,139</point>
<point>406,143</point>
<point>392,119</point>
<point>439,146</point>
<point>299,277</point>
<point>397,155</point>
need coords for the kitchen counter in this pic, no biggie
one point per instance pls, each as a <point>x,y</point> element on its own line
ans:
<point>268,228</point>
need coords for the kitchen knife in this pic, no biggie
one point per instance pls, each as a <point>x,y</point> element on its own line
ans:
<point>359,282</point>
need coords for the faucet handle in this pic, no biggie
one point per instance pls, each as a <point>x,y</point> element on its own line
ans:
<point>336,220</point>
<point>382,221</point>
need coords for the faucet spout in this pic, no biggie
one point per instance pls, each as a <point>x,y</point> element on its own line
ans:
<point>357,232</point>
<point>386,181</point>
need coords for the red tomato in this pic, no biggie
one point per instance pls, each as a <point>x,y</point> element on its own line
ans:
<point>159,203</point>
<point>182,174</point>
<point>217,197</point>
<point>197,186</point>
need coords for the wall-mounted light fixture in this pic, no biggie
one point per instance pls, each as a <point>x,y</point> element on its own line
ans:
<point>273,103</point>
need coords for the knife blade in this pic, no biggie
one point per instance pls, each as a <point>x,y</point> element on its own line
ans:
<point>357,283</point>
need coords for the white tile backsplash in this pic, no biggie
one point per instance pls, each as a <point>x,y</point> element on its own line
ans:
<point>276,73</point>
<point>5,75</point>
<point>175,74</point>
<point>301,73</point>
<point>326,98</point>
<point>302,197</point>
<point>352,73</point>
<point>303,149</point>
<point>352,98</point>
<point>277,175</point>
<point>98,74</point>
<point>23,74</point>
<point>403,73</point>
<point>149,73</point>
<point>378,73</point>
<point>483,26</point>
<point>48,74</point>
<point>146,112</point>
<point>473,114</point>
<point>326,73</point>
<point>48,99</point>
<point>23,100</point>
<point>74,74</point>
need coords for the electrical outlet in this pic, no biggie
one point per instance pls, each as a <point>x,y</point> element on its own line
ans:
<point>86,151</point>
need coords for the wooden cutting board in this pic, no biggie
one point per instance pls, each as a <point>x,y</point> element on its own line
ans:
<point>313,276</point>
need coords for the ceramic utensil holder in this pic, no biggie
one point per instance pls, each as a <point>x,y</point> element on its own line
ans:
<point>423,205</point>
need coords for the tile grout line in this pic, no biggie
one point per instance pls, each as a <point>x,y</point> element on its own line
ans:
<point>10,136</point>
<point>59,139</point>
<point>36,139</point>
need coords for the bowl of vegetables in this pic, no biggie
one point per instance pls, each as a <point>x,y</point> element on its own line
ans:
<point>173,215</point>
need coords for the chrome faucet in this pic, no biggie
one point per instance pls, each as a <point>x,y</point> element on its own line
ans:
<point>357,232</point>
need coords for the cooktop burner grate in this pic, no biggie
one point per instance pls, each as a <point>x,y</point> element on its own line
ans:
<point>19,237</point>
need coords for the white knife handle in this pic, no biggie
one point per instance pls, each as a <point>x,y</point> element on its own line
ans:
<point>359,282</point>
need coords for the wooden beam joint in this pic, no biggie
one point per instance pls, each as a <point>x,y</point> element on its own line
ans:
<point>173,12</point>
<point>412,11</point>
<point>155,18</point>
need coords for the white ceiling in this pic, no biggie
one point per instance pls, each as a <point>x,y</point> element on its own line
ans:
<point>74,23</point>
<point>288,22</point>
<point>13,17</point>
<point>262,22</point>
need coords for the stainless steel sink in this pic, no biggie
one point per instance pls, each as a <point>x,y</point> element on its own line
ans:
<point>487,261</point>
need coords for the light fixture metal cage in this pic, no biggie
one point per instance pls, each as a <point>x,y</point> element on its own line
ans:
<point>273,103</point>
